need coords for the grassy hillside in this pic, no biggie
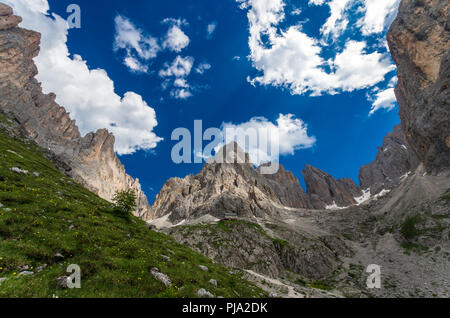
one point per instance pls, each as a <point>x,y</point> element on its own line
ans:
<point>44,213</point>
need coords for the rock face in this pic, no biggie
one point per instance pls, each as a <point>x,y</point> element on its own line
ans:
<point>228,187</point>
<point>325,191</point>
<point>90,160</point>
<point>243,245</point>
<point>7,19</point>
<point>287,188</point>
<point>395,160</point>
<point>419,40</point>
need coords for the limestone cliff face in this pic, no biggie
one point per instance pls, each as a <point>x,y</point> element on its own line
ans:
<point>325,191</point>
<point>90,160</point>
<point>419,41</point>
<point>287,188</point>
<point>395,160</point>
<point>228,187</point>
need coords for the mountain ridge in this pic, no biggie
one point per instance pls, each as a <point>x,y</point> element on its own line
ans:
<point>91,159</point>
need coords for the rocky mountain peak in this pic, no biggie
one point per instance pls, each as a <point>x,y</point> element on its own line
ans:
<point>395,160</point>
<point>221,188</point>
<point>91,159</point>
<point>419,43</point>
<point>231,153</point>
<point>325,191</point>
<point>7,18</point>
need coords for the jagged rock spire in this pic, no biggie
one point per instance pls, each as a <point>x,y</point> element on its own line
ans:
<point>89,160</point>
<point>7,18</point>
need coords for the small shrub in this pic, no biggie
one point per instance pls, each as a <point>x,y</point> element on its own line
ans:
<point>408,228</point>
<point>125,200</point>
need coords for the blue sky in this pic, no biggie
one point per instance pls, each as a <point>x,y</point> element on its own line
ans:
<point>244,80</point>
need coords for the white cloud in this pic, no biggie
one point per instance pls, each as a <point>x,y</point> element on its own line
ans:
<point>337,21</point>
<point>296,11</point>
<point>288,133</point>
<point>316,2</point>
<point>180,67</point>
<point>88,94</point>
<point>180,82</point>
<point>137,45</point>
<point>180,93</point>
<point>384,99</point>
<point>293,59</point>
<point>176,74</point>
<point>393,81</point>
<point>140,48</point>
<point>356,69</point>
<point>378,14</point>
<point>176,40</point>
<point>210,29</point>
<point>135,65</point>
<point>202,68</point>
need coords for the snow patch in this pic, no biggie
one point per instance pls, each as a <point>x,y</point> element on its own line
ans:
<point>162,222</point>
<point>406,148</point>
<point>181,223</point>
<point>406,175</point>
<point>365,197</point>
<point>382,193</point>
<point>334,206</point>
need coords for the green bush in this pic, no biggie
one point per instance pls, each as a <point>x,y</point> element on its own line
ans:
<point>125,200</point>
<point>408,228</point>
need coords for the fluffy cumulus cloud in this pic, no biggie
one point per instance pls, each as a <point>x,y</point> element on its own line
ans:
<point>338,21</point>
<point>175,75</point>
<point>288,134</point>
<point>378,14</point>
<point>286,56</point>
<point>202,68</point>
<point>137,45</point>
<point>176,40</point>
<point>88,94</point>
<point>384,99</point>
<point>139,48</point>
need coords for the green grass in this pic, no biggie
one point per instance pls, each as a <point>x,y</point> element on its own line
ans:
<point>413,247</point>
<point>321,284</point>
<point>48,214</point>
<point>408,228</point>
<point>446,196</point>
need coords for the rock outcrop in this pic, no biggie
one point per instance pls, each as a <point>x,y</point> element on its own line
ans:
<point>287,188</point>
<point>228,187</point>
<point>7,18</point>
<point>324,191</point>
<point>243,245</point>
<point>90,160</point>
<point>395,161</point>
<point>419,41</point>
